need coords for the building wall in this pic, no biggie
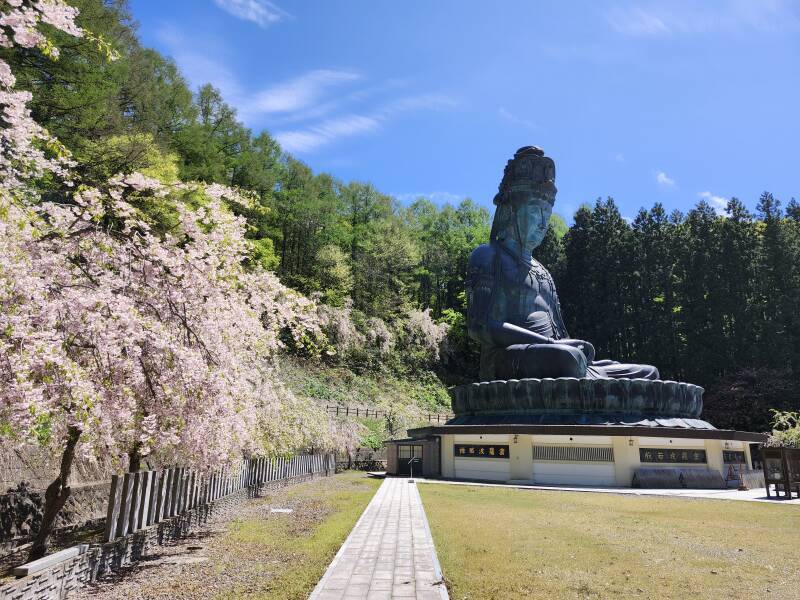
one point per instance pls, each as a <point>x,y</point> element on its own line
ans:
<point>391,459</point>
<point>573,472</point>
<point>489,469</point>
<point>448,464</point>
<point>430,458</point>
<point>521,467</point>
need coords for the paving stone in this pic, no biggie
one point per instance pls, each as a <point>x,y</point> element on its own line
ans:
<point>389,553</point>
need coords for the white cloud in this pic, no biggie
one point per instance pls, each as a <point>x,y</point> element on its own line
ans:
<point>261,12</point>
<point>307,98</point>
<point>299,93</point>
<point>198,68</point>
<point>512,118</point>
<point>718,203</point>
<point>693,17</point>
<point>664,180</point>
<point>436,197</point>
<point>636,21</point>
<point>323,133</point>
<point>619,157</point>
<point>315,136</point>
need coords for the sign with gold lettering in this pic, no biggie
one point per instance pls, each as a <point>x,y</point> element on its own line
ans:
<point>480,451</point>
<point>672,455</point>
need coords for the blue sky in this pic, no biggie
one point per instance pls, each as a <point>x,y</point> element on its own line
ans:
<point>642,101</point>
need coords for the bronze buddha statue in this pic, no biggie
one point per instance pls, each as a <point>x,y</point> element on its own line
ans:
<point>513,308</point>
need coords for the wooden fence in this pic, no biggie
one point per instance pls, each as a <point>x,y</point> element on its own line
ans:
<point>144,498</point>
<point>367,413</point>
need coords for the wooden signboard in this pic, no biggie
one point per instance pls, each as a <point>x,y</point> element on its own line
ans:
<point>480,450</point>
<point>672,455</point>
<point>782,468</point>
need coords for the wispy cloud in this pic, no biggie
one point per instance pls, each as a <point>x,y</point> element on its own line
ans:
<point>200,68</point>
<point>692,17</point>
<point>512,118</point>
<point>619,157</point>
<point>635,20</point>
<point>301,92</point>
<point>318,135</point>
<point>435,197</point>
<point>664,180</point>
<point>261,12</point>
<point>718,203</point>
<point>325,104</point>
<point>307,140</point>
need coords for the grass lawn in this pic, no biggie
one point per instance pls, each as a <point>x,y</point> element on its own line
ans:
<point>302,546</point>
<point>257,555</point>
<point>510,543</point>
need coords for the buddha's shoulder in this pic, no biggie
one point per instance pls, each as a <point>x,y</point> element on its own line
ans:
<point>482,257</point>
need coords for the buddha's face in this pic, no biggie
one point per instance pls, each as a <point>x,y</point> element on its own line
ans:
<point>533,215</point>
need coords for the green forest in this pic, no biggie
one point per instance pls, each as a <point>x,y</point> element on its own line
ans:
<point>709,298</point>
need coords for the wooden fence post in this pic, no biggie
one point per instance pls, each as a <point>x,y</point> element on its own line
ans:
<point>184,493</point>
<point>136,500</point>
<point>125,505</point>
<point>169,493</point>
<point>112,514</point>
<point>178,498</point>
<point>144,505</point>
<point>158,486</point>
<point>163,491</point>
<point>172,492</point>
<point>193,487</point>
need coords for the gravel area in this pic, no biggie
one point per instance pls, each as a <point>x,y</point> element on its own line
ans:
<point>243,557</point>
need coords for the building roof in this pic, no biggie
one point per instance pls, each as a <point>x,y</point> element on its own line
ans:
<point>610,430</point>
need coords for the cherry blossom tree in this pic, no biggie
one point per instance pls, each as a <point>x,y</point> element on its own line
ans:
<point>119,341</point>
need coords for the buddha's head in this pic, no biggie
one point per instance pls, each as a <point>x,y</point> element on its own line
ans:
<point>525,199</point>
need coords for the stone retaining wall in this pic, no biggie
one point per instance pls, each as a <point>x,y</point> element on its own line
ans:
<point>61,579</point>
<point>21,511</point>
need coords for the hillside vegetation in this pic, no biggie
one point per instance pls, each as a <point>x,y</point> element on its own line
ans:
<point>708,296</point>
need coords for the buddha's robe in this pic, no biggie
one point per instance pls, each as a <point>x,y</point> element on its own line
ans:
<point>506,292</point>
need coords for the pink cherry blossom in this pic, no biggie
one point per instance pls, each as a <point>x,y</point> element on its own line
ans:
<point>162,347</point>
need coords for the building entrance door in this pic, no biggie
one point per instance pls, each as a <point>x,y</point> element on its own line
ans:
<point>404,454</point>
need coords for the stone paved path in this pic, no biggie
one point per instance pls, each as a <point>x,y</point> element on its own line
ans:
<point>389,553</point>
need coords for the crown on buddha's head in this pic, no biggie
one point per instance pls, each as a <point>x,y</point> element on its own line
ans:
<point>529,170</point>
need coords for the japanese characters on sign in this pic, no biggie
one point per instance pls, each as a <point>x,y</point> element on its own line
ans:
<point>733,457</point>
<point>480,451</point>
<point>672,455</point>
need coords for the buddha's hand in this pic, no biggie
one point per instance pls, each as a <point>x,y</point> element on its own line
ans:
<point>582,345</point>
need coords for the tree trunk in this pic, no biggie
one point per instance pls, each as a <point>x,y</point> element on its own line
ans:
<point>134,459</point>
<point>56,496</point>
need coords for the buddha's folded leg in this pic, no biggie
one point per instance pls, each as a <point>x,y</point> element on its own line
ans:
<point>621,371</point>
<point>539,361</point>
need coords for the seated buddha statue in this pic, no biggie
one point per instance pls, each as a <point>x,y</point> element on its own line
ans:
<point>513,308</point>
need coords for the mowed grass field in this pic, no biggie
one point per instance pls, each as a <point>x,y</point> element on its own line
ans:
<point>497,543</point>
